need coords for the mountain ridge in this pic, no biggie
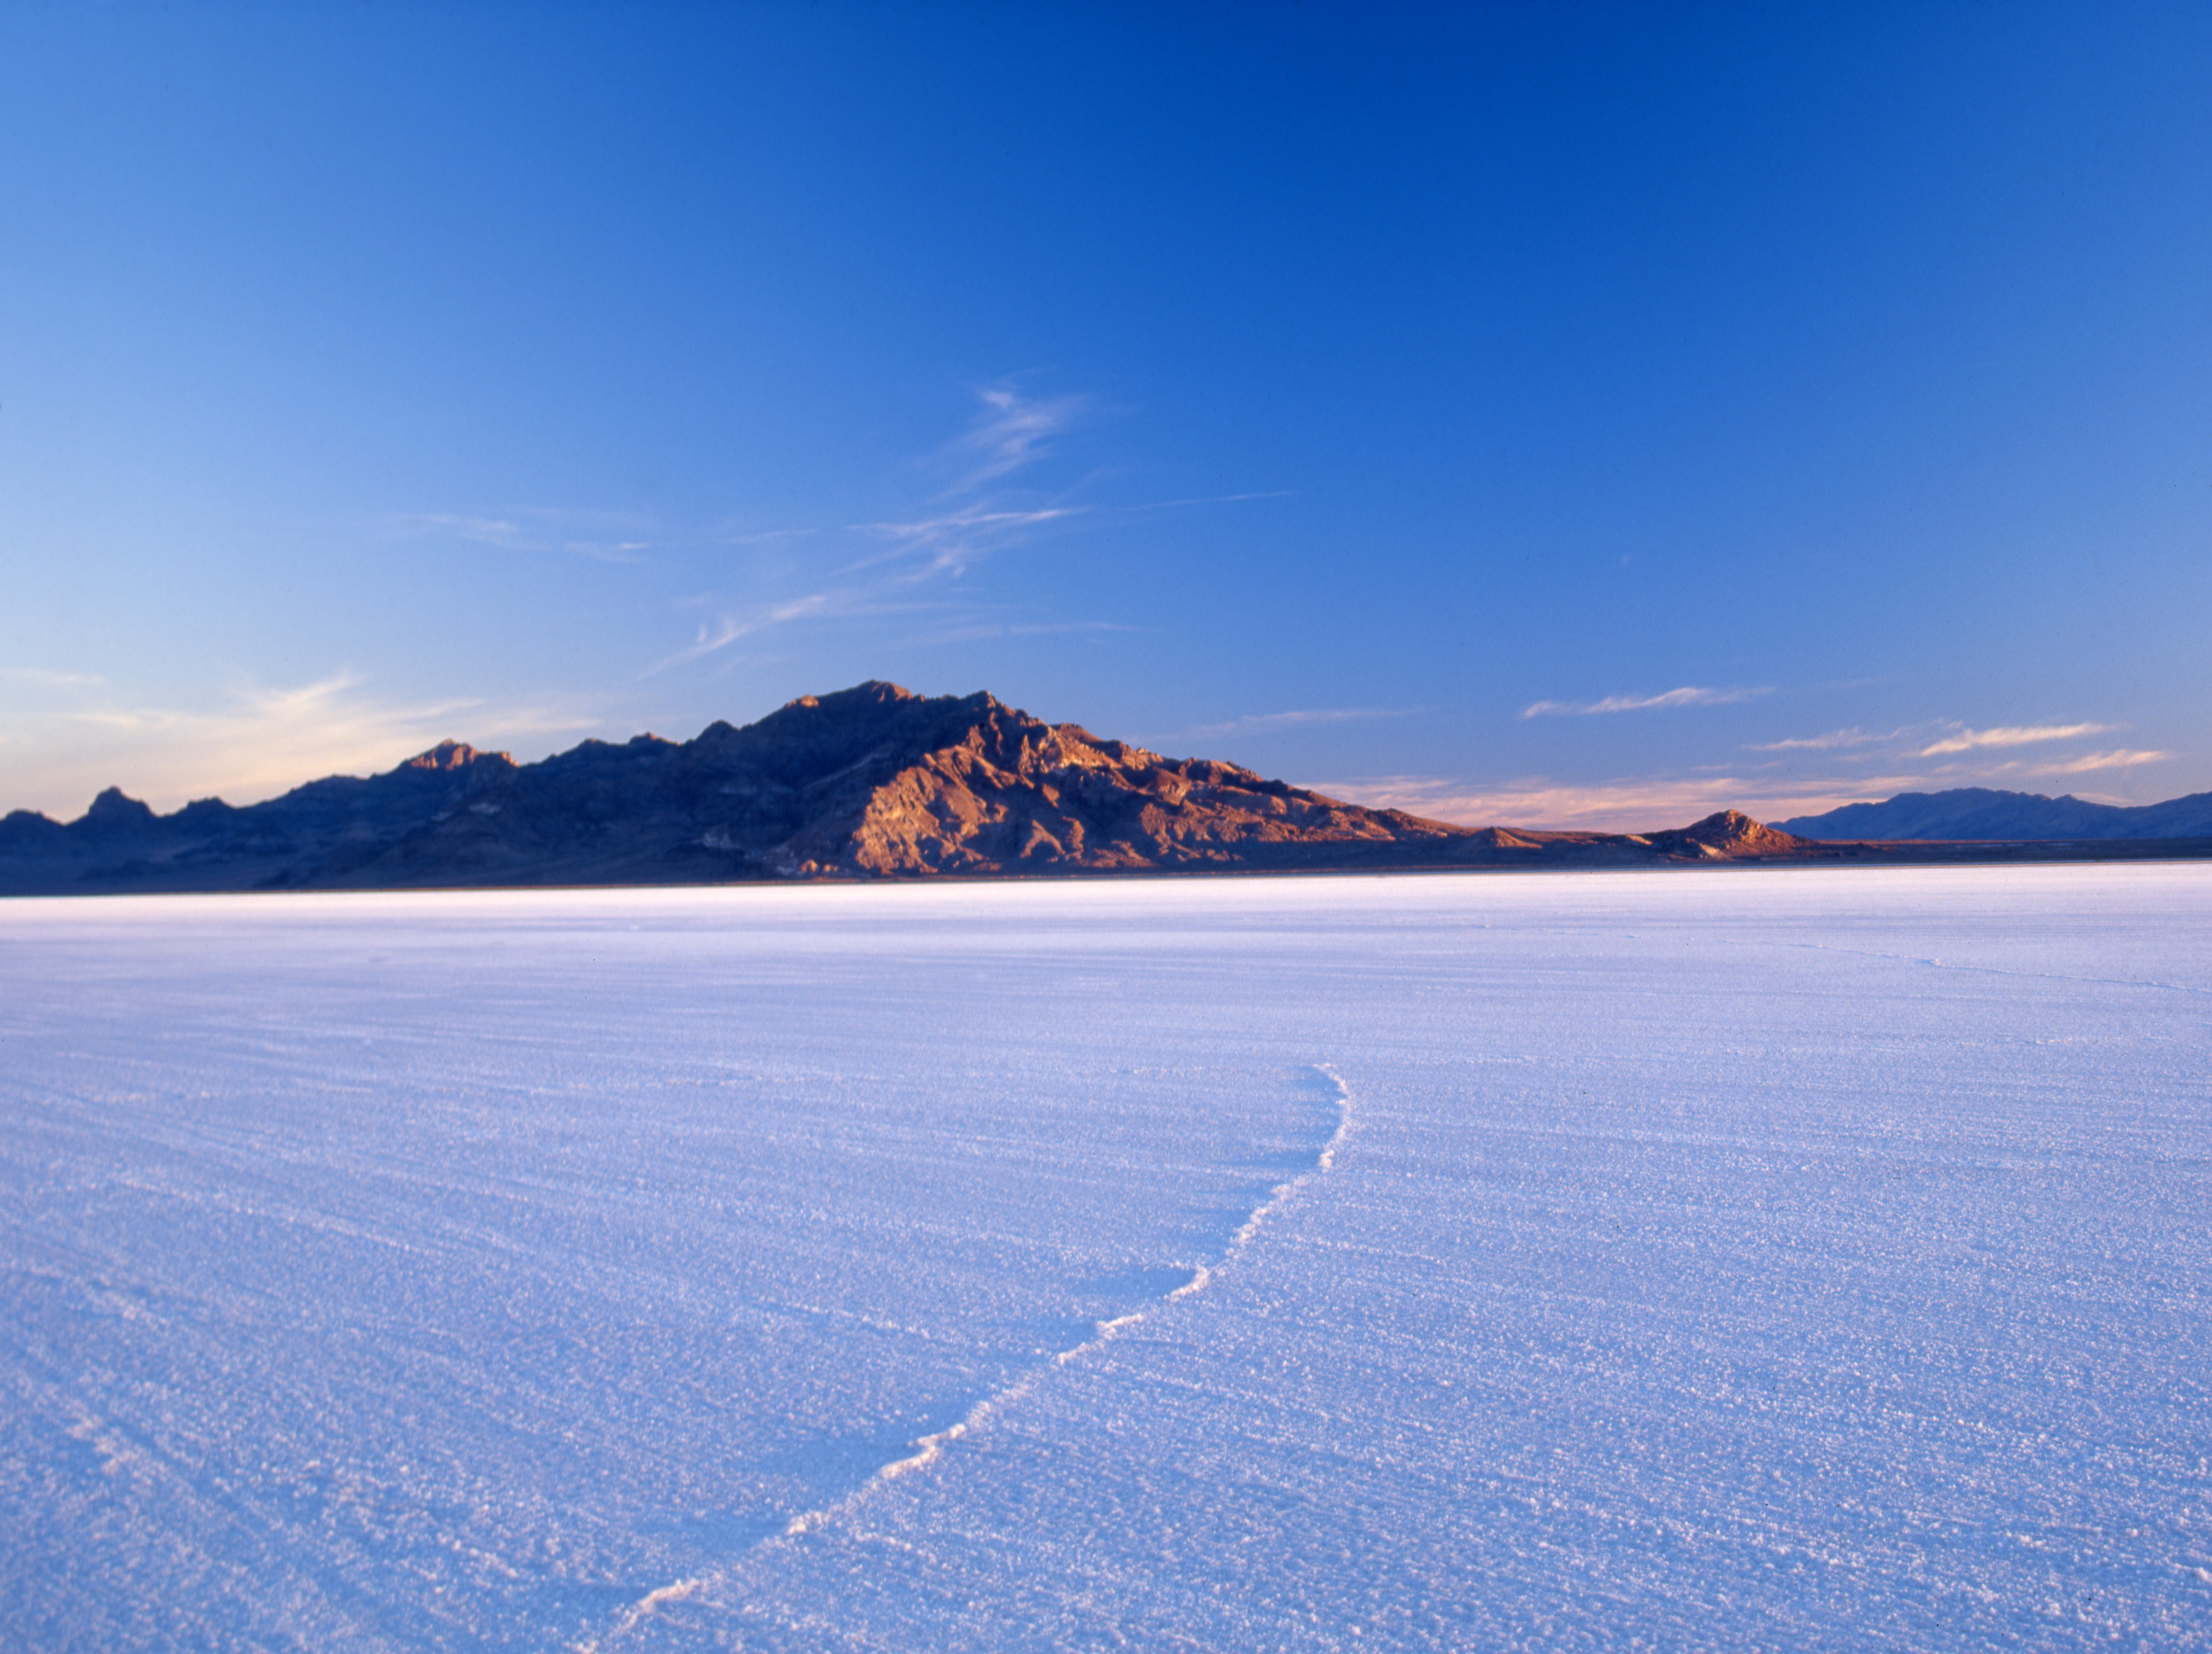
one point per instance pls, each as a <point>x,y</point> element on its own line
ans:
<point>873,782</point>
<point>1983,814</point>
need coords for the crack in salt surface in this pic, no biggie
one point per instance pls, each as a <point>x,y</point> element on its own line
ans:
<point>931,1448</point>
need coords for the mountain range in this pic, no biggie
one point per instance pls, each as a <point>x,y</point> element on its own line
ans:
<point>871,781</point>
<point>1980,813</point>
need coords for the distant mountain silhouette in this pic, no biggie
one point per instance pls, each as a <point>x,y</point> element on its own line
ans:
<point>1980,813</point>
<point>871,782</point>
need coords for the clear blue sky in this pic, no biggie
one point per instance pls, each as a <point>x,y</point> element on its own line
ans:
<point>1537,412</point>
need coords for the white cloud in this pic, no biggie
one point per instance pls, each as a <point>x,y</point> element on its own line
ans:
<point>1967,740</point>
<point>984,630</point>
<point>931,528</point>
<point>1012,431</point>
<point>601,536</point>
<point>971,523</point>
<point>1688,696</point>
<point>950,543</point>
<point>1262,721</point>
<point>2123,759</point>
<point>727,628</point>
<point>983,507</point>
<point>1209,499</point>
<point>1834,740</point>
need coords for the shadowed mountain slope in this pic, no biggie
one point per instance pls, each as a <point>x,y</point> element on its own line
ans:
<point>1981,812</point>
<point>873,781</point>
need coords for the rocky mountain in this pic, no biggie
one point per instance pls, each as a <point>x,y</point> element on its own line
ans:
<point>873,781</point>
<point>1981,813</point>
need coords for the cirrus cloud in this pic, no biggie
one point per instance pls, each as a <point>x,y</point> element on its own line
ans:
<point>2122,759</point>
<point>1626,804</point>
<point>1834,740</point>
<point>1967,740</point>
<point>1307,718</point>
<point>1690,694</point>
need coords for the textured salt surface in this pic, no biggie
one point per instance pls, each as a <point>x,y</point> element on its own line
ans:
<point>1730,1260</point>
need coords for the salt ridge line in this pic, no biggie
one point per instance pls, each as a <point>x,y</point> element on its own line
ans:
<point>1325,1161</point>
<point>931,1447</point>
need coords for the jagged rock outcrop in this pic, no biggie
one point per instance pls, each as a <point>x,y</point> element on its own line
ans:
<point>871,782</point>
<point>875,782</point>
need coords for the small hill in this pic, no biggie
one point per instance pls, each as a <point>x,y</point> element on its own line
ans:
<point>1729,836</point>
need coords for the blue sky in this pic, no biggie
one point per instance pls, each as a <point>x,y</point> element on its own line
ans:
<point>1558,414</point>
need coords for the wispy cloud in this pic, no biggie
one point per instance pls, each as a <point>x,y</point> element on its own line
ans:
<point>1209,499</point>
<point>1624,804</point>
<point>600,536</point>
<point>1967,740</point>
<point>950,543</point>
<point>40,678</point>
<point>1688,696</point>
<point>1263,723</point>
<point>2123,759</point>
<point>978,496</point>
<point>930,528</point>
<point>1806,775</point>
<point>1012,431</point>
<point>983,631</point>
<point>999,484</point>
<point>881,566</point>
<point>1834,740</point>
<point>258,741</point>
<point>727,628</point>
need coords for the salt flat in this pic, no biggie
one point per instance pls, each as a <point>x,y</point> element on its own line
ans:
<point>1685,1259</point>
